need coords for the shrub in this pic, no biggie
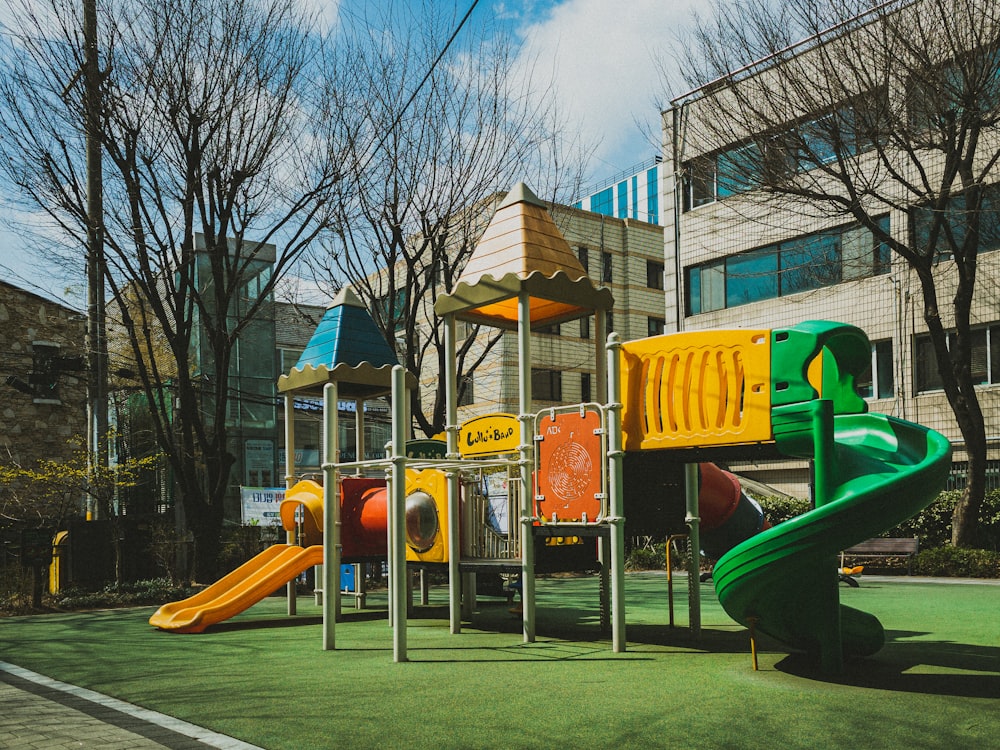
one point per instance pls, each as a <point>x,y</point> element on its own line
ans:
<point>933,523</point>
<point>962,563</point>
<point>646,559</point>
<point>139,593</point>
<point>778,509</point>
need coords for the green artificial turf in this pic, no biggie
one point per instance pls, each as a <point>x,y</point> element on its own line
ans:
<point>264,678</point>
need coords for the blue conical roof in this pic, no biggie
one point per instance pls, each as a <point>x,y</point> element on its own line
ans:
<point>347,335</point>
<point>346,347</point>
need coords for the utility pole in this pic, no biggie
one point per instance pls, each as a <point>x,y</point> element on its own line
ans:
<point>97,386</point>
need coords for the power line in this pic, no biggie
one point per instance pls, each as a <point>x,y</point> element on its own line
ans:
<point>437,60</point>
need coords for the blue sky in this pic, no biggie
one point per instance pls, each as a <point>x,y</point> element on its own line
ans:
<point>599,53</point>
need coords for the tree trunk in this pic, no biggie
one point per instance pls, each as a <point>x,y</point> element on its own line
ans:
<point>205,523</point>
<point>965,519</point>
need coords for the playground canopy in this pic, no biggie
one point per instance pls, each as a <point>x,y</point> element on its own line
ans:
<point>523,250</point>
<point>346,348</point>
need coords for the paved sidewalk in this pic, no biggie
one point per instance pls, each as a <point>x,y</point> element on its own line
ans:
<point>40,713</point>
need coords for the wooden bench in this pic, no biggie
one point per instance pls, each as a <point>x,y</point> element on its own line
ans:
<point>884,547</point>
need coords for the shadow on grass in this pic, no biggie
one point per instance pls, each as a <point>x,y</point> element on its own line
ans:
<point>284,621</point>
<point>915,666</point>
<point>235,626</point>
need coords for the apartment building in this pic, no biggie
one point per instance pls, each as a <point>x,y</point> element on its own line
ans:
<point>752,246</point>
<point>632,194</point>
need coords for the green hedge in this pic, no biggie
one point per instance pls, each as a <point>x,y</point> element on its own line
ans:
<point>933,523</point>
<point>778,509</point>
<point>959,563</point>
<point>643,558</point>
<point>139,593</point>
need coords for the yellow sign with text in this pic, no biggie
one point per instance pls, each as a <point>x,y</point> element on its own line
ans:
<point>489,435</point>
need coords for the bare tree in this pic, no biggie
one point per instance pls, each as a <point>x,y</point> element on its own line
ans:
<point>433,139</point>
<point>217,176</point>
<point>889,107</point>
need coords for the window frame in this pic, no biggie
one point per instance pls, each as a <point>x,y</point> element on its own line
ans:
<point>466,396</point>
<point>880,383</point>
<point>607,267</point>
<point>708,285</point>
<point>552,392</point>
<point>812,142</point>
<point>655,272</point>
<point>926,374</point>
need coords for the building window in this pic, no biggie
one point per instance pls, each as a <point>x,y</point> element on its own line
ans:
<point>699,182</point>
<point>602,202</point>
<point>654,326</point>
<point>610,318</point>
<point>466,391</point>
<point>952,89</point>
<point>584,256</point>
<point>433,273</point>
<point>585,394</point>
<point>44,375</point>
<point>622,200</point>
<point>801,147</point>
<point>464,329</point>
<point>287,359</point>
<point>654,274</point>
<point>751,277</point>
<point>652,196</point>
<point>927,376</point>
<point>392,314</point>
<point>552,329</point>
<point>737,170</point>
<point>546,385</point>
<point>877,381</point>
<point>951,225</point>
<point>985,359</point>
<point>585,327</point>
<point>606,268</point>
<point>811,262</point>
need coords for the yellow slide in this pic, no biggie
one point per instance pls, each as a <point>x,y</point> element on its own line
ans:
<point>235,592</point>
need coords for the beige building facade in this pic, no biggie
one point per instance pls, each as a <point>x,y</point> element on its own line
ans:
<point>745,259</point>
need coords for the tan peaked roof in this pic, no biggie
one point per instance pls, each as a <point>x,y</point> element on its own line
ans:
<point>523,249</point>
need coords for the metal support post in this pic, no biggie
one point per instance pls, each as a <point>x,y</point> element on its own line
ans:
<point>397,498</point>
<point>331,518</point>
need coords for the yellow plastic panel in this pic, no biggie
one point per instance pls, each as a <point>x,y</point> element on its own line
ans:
<point>697,389</point>
<point>434,483</point>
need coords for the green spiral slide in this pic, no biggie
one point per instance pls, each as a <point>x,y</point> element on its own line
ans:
<point>871,472</point>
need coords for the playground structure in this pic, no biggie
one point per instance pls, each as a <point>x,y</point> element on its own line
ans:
<point>683,399</point>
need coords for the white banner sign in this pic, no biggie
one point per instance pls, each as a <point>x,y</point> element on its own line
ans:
<point>261,505</point>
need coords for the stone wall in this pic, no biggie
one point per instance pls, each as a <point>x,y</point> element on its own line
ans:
<point>38,336</point>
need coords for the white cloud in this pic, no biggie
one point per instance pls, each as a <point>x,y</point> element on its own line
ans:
<point>602,56</point>
<point>327,13</point>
